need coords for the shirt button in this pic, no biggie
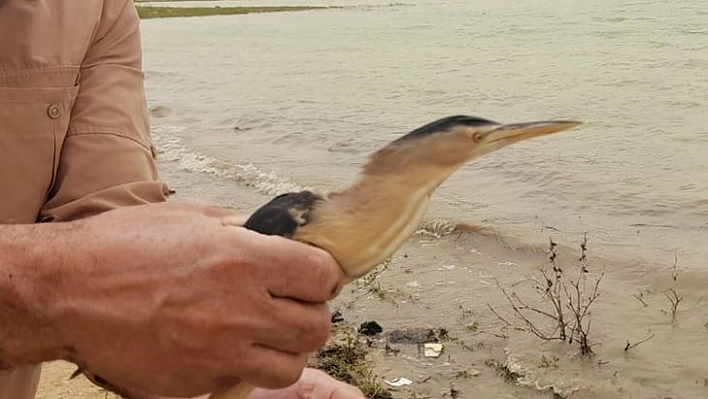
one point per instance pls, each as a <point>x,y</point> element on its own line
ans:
<point>54,111</point>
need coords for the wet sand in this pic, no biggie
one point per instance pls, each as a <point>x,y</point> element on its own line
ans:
<point>55,384</point>
<point>447,282</point>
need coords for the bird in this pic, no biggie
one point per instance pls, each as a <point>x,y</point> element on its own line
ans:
<point>365,223</point>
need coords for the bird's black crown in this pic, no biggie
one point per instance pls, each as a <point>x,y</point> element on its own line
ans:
<point>445,124</point>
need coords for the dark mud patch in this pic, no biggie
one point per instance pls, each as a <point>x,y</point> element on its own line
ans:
<point>417,336</point>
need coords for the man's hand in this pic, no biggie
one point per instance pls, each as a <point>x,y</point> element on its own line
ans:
<point>175,300</point>
<point>313,384</point>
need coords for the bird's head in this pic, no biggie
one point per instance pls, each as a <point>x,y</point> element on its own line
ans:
<point>442,146</point>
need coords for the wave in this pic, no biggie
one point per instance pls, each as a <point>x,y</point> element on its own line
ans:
<point>171,150</point>
<point>439,228</point>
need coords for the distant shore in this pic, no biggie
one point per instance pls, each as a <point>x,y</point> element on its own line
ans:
<point>148,12</point>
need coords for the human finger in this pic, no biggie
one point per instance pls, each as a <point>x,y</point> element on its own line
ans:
<point>215,211</point>
<point>313,384</point>
<point>316,384</point>
<point>297,270</point>
<point>294,326</point>
<point>269,368</point>
<point>234,220</point>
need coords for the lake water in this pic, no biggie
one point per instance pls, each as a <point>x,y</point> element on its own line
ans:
<point>285,100</point>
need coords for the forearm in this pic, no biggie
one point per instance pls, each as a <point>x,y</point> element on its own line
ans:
<point>31,258</point>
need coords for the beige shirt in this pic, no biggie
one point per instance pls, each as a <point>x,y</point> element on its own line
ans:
<point>74,134</point>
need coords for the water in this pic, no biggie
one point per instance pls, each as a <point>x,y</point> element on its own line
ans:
<point>288,100</point>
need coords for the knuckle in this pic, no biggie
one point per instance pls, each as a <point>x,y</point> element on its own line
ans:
<point>319,330</point>
<point>313,331</point>
<point>329,277</point>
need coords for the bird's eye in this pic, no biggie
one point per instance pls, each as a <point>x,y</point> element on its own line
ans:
<point>476,137</point>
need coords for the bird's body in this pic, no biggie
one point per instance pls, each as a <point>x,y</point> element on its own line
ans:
<point>359,226</point>
<point>368,221</point>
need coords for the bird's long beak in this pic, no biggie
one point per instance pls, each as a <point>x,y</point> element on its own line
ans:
<point>504,135</point>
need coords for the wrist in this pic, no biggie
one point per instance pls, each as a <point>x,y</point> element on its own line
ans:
<point>31,276</point>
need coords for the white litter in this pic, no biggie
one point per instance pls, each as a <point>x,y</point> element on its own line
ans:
<point>506,264</point>
<point>399,382</point>
<point>433,350</point>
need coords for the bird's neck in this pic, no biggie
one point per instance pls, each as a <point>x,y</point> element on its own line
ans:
<point>389,190</point>
<point>368,222</point>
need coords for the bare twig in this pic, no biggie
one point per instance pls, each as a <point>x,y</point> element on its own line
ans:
<point>636,344</point>
<point>497,314</point>
<point>560,294</point>
<point>368,285</point>
<point>497,335</point>
<point>673,296</point>
<point>518,310</point>
<point>640,298</point>
<point>674,300</point>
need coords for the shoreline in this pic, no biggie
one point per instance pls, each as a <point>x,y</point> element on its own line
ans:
<point>151,12</point>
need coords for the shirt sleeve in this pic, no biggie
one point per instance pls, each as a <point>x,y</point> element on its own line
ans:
<point>106,160</point>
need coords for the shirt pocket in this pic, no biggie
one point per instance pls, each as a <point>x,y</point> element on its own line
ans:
<point>33,125</point>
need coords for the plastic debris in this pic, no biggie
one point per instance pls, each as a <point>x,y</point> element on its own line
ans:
<point>433,349</point>
<point>399,382</point>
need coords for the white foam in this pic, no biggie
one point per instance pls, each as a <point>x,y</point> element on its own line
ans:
<point>171,150</point>
<point>436,228</point>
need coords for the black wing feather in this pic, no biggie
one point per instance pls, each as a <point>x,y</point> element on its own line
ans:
<point>276,217</point>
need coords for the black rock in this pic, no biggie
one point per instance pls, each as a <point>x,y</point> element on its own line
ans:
<point>370,328</point>
<point>337,317</point>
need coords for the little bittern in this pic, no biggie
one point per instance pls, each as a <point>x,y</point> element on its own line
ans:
<point>367,222</point>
